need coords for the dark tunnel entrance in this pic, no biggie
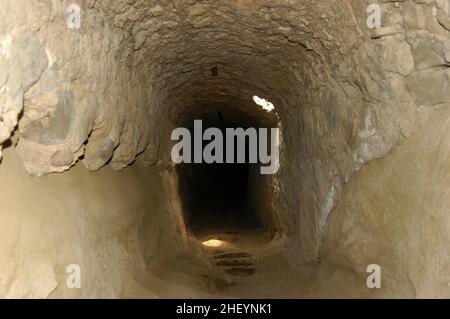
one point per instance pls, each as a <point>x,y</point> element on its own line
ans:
<point>217,196</point>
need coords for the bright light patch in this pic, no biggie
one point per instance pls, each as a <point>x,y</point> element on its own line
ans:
<point>266,105</point>
<point>213,243</point>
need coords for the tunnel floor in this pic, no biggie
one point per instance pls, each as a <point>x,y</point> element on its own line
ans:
<point>246,264</point>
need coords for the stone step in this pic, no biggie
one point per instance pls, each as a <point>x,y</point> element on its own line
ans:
<point>232,254</point>
<point>240,271</point>
<point>235,262</point>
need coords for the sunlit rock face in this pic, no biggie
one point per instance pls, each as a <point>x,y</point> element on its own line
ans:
<point>362,114</point>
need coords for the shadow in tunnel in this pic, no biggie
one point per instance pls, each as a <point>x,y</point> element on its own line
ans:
<point>215,196</point>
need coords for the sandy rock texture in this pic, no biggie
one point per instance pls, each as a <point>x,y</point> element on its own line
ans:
<point>98,221</point>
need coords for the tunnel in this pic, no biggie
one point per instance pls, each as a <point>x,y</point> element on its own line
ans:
<point>223,195</point>
<point>215,193</point>
<point>339,188</point>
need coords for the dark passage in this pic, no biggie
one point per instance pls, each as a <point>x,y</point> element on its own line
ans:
<point>215,196</point>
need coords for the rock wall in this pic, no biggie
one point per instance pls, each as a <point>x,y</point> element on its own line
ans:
<point>392,212</point>
<point>103,222</point>
<point>75,90</point>
<point>372,97</point>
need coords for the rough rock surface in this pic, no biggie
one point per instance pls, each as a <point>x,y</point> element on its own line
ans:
<point>103,226</point>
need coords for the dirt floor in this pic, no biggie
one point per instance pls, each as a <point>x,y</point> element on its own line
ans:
<point>238,264</point>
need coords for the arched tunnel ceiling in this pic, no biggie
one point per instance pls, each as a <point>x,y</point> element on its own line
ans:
<point>271,48</point>
<point>206,98</point>
<point>134,62</point>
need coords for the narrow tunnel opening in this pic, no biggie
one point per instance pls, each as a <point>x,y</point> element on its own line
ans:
<point>217,197</point>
